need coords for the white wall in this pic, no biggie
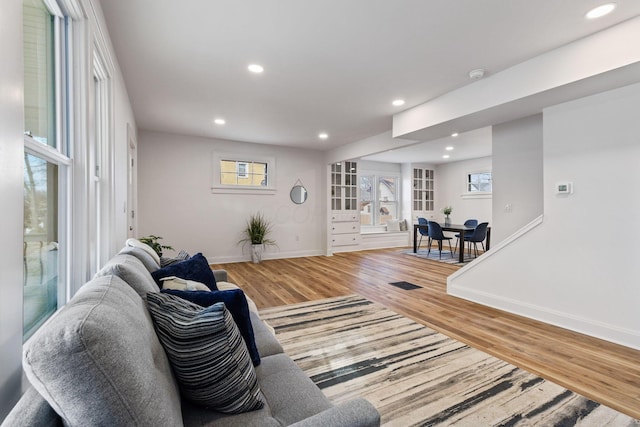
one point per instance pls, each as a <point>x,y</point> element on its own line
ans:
<point>175,199</point>
<point>450,185</point>
<point>579,268</point>
<point>11,194</point>
<point>517,175</point>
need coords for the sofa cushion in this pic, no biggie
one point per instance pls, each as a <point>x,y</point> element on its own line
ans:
<point>135,243</point>
<point>147,260</point>
<point>195,268</point>
<point>98,361</point>
<point>266,342</point>
<point>290,396</point>
<point>290,393</point>
<point>235,301</point>
<point>181,256</point>
<point>207,353</point>
<point>132,271</point>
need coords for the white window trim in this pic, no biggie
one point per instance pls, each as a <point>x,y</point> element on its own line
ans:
<point>476,194</point>
<point>379,228</point>
<point>218,188</point>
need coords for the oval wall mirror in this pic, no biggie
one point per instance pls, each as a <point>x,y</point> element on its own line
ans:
<point>298,194</point>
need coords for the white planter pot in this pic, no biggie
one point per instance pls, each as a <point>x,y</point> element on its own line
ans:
<point>256,253</point>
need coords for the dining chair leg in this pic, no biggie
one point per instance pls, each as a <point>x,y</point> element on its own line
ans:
<point>456,245</point>
<point>450,250</point>
<point>440,249</point>
<point>419,242</point>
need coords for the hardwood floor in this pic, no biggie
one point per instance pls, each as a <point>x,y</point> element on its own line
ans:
<point>602,371</point>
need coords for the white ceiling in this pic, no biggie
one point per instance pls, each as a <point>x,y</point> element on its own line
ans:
<point>467,145</point>
<point>330,65</point>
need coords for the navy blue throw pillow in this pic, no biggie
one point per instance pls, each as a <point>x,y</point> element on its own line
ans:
<point>236,303</point>
<point>195,268</point>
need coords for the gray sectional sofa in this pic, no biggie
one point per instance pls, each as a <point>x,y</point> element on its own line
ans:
<point>99,361</point>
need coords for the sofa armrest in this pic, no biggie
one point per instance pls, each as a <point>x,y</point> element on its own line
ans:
<point>32,410</point>
<point>354,413</point>
<point>220,275</point>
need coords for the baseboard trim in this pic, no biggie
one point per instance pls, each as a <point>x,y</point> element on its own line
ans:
<point>601,330</point>
<point>265,256</point>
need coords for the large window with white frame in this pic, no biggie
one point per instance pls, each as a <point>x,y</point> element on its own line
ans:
<point>46,165</point>
<point>379,199</point>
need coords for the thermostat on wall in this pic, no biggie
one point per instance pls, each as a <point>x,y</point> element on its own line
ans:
<point>564,188</point>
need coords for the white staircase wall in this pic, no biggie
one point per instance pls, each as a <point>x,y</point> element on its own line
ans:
<point>578,265</point>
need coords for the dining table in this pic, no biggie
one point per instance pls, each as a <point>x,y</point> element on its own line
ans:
<point>459,228</point>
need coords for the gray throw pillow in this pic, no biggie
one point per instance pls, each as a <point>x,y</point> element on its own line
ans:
<point>98,361</point>
<point>207,353</point>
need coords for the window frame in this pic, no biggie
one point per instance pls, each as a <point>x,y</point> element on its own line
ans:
<point>376,178</point>
<point>57,154</point>
<point>218,187</point>
<point>470,194</point>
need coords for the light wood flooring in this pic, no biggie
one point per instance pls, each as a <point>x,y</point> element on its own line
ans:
<point>602,371</point>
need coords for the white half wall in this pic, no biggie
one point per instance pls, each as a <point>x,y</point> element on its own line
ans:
<point>517,175</point>
<point>579,268</point>
<point>175,200</point>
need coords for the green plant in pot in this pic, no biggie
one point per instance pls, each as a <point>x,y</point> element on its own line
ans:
<point>257,234</point>
<point>154,242</point>
<point>447,211</point>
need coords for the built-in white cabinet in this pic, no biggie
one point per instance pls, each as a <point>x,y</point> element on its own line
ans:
<point>344,186</point>
<point>345,215</point>
<point>345,230</point>
<point>423,189</point>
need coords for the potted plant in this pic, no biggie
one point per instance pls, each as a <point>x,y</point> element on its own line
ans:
<point>447,211</point>
<point>153,241</point>
<point>257,234</point>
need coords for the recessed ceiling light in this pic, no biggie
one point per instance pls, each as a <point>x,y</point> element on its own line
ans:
<point>219,121</point>
<point>446,156</point>
<point>449,148</point>
<point>398,102</point>
<point>323,135</point>
<point>453,135</point>
<point>600,11</point>
<point>255,68</point>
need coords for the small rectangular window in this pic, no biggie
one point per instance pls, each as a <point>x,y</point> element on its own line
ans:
<point>236,174</point>
<point>479,182</point>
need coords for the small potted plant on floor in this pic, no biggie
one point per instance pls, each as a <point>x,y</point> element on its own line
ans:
<point>257,234</point>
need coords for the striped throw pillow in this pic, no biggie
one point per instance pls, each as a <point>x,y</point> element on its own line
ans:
<point>207,353</point>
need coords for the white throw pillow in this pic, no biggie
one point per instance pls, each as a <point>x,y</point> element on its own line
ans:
<point>138,244</point>
<point>393,225</point>
<point>173,282</point>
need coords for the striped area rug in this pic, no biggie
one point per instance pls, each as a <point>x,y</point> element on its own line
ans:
<point>414,376</point>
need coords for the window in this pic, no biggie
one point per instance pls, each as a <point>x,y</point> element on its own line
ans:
<point>236,174</point>
<point>378,199</point>
<point>479,182</point>
<point>46,167</point>
<point>39,72</point>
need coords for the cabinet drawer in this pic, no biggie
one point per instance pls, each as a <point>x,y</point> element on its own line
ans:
<point>345,216</point>
<point>345,227</point>
<point>345,239</point>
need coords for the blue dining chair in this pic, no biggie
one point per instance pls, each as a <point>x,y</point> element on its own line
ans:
<point>423,231</point>
<point>468,223</point>
<point>478,236</point>
<point>435,233</point>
